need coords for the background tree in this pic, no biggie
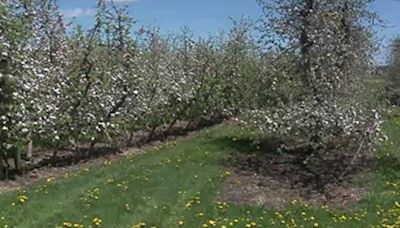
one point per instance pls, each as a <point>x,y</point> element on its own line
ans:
<point>13,64</point>
<point>328,47</point>
<point>394,72</point>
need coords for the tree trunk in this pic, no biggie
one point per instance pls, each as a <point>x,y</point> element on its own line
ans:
<point>3,175</point>
<point>151,134</point>
<point>130,137</point>
<point>29,152</point>
<point>4,168</point>
<point>168,131</point>
<point>92,150</point>
<point>189,125</point>
<point>17,162</point>
<point>305,42</point>
<point>55,155</point>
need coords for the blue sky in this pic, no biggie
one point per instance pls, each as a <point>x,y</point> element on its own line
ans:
<point>208,16</point>
<point>202,16</point>
<point>389,11</point>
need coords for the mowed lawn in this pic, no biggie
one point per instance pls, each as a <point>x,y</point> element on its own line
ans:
<point>177,185</point>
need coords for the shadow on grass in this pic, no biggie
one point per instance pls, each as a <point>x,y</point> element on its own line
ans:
<point>261,156</point>
<point>246,145</point>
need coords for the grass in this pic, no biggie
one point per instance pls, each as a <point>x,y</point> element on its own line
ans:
<point>177,185</point>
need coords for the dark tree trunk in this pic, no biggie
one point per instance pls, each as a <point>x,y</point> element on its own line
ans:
<point>305,42</point>
<point>130,136</point>
<point>189,125</point>
<point>151,134</point>
<point>4,168</point>
<point>171,125</point>
<point>17,162</point>
<point>92,150</point>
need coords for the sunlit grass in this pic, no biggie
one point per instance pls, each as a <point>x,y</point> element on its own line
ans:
<point>177,185</point>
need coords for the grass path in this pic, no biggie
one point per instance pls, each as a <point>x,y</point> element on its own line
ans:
<point>177,185</point>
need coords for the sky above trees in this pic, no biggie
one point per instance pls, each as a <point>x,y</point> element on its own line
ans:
<point>204,17</point>
<point>209,16</point>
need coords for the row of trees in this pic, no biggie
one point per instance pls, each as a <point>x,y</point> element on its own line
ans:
<point>299,77</point>
<point>61,87</point>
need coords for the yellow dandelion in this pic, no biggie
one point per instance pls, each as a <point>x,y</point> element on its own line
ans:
<point>97,221</point>
<point>50,179</point>
<point>67,224</point>
<point>139,225</point>
<point>212,222</point>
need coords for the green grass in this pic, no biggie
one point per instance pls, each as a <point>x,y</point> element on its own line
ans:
<point>179,183</point>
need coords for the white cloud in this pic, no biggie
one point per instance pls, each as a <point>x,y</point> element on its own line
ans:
<point>79,12</point>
